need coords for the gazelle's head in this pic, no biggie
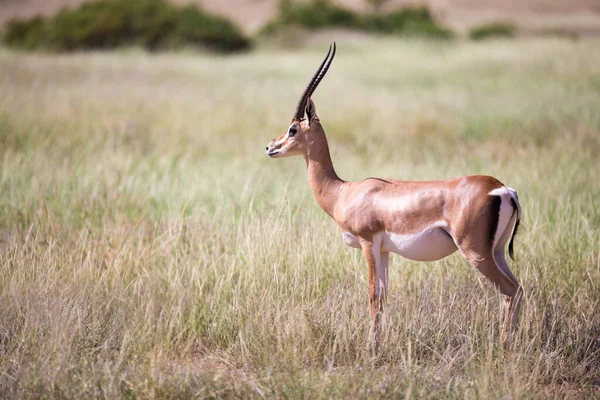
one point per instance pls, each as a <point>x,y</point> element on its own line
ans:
<point>298,137</point>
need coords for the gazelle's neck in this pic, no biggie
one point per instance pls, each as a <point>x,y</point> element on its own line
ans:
<point>324,182</point>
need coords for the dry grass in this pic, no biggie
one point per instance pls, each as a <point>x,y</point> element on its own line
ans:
<point>149,248</point>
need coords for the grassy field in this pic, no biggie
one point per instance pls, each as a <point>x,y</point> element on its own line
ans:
<point>149,248</point>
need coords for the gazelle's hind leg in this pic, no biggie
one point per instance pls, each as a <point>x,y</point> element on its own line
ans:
<point>483,246</point>
<point>510,289</point>
<point>514,302</point>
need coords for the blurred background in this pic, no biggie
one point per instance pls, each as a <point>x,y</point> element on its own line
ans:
<point>575,16</point>
<point>150,249</point>
<point>34,23</point>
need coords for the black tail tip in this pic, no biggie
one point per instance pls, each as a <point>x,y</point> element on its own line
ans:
<point>511,252</point>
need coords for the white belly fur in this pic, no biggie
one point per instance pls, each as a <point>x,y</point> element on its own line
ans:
<point>433,243</point>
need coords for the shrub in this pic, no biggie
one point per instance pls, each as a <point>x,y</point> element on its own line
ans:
<point>314,15</point>
<point>494,29</point>
<point>25,34</point>
<point>427,29</point>
<point>317,14</point>
<point>152,24</point>
<point>111,23</point>
<point>412,21</point>
<point>395,21</point>
<point>214,32</point>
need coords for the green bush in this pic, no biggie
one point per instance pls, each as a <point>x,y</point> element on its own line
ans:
<point>494,29</point>
<point>427,29</point>
<point>214,32</point>
<point>321,14</point>
<point>153,24</point>
<point>412,21</point>
<point>317,14</point>
<point>25,33</point>
<point>395,21</point>
<point>314,15</point>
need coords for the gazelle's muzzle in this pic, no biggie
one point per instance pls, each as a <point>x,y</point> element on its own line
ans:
<point>274,148</point>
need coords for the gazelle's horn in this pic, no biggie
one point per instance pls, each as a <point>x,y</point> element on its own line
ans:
<point>314,82</point>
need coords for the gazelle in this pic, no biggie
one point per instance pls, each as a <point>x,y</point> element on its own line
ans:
<point>421,221</point>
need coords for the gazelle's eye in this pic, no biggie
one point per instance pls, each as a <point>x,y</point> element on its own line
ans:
<point>292,131</point>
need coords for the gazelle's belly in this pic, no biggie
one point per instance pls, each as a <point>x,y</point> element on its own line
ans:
<point>433,243</point>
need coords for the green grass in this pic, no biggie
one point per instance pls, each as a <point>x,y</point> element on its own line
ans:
<point>149,248</point>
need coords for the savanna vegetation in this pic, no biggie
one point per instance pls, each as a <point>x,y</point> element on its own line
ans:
<point>149,248</point>
<point>492,30</point>
<point>318,14</point>
<point>152,24</point>
<point>158,24</point>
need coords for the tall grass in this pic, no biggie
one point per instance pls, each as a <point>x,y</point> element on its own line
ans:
<point>149,248</point>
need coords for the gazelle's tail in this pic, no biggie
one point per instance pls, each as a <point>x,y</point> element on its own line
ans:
<point>514,199</point>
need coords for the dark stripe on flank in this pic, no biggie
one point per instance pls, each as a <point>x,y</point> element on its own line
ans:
<point>494,216</point>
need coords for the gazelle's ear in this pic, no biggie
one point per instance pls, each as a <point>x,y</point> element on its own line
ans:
<point>310,111</point>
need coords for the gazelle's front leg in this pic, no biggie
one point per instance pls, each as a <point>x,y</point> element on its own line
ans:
<point>377,263</point>
<point>381,275</point>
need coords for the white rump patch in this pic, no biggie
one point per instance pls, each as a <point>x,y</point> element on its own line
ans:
<point>505,222</point>
<point>506,210</point>
<point>499,191</point>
